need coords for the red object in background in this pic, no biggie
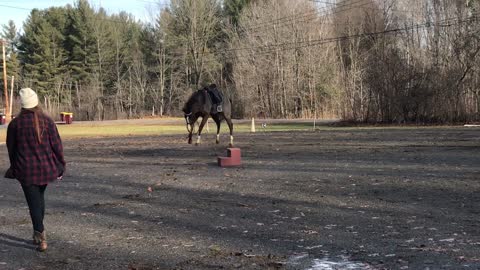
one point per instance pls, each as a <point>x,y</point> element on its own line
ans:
<point>233,158</point>
<point>68,118</point>
<point>3,119</point>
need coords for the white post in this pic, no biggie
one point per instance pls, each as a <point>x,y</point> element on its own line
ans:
<point>252,129</point>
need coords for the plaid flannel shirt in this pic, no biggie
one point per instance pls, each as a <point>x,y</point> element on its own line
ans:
<point>30,162</point>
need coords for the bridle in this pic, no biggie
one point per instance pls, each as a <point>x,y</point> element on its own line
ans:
<point>189,129</point>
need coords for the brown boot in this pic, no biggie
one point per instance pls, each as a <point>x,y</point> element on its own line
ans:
<point>40,239</point>
<point>36,241</point>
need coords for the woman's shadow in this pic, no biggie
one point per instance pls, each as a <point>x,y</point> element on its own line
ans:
<point>12,241</point>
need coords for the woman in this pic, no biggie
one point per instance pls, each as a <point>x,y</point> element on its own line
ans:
<point>36,158</point>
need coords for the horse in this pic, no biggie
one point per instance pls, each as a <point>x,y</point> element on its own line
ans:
<point>200,104</point>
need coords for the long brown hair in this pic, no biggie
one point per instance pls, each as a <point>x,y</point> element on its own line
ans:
<point>37,124</point>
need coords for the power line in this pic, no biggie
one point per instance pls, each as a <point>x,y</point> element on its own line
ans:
<point>308,16</point>
<point>101,19</point>
<point>319,42</point>
<point>278,22</point>
<point>316,42</point>
<point>267,49</point>
<point>282,46</point>
<point>153,2</point>
<point>8,6</point>
<point>372,8</point>
<point>294,17</point>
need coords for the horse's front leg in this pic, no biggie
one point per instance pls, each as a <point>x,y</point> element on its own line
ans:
<point>204,121</point>
<point>190,137</point>
<point>191,127</point>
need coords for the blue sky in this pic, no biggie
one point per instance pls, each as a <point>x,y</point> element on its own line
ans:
<point>18,10</point>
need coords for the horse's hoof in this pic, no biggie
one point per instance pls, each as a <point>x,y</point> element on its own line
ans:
<point>217,142</point>
<point>196,144</point>
<point>230,145</point>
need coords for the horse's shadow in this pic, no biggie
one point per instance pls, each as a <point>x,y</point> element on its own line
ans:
<point>12,241</point>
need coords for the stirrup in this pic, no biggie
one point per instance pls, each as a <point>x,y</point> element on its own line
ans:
<point>219,108</point>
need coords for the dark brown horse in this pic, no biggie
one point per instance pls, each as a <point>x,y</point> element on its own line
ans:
<point>200,105</point>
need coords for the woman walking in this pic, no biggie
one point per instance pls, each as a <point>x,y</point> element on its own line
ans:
<point>36,158</point>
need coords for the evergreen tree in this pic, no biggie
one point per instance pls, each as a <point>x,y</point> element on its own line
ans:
<point>42,50</point>
<point>80,41</point>
<point>11,36</point>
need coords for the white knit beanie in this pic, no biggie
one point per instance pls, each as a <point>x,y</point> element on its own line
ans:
<point>28,97</point>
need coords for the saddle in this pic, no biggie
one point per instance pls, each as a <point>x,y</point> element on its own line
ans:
<point>217,98</point>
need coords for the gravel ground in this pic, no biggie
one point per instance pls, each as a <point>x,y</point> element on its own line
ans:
<point>392,198</point>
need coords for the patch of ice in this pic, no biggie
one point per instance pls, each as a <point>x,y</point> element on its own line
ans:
<point>343,264</point>
<point>314,247</point>
<point>305,261</point>
<point>296,258</point>
<point>447,240</point>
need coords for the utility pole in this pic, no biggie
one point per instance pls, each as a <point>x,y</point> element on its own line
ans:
<point>5,83</point>
<point>11,99</point>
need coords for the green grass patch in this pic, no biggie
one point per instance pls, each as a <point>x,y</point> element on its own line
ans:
<point>101,129</point>
<point>81,131</point>
<point>270,127</point>
<point>98,129</point>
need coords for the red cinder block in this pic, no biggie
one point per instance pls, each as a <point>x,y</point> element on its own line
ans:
<point>234,153</point>
<point>233,158</point>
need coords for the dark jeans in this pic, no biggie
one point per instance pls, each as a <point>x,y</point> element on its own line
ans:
<point>36,204</point>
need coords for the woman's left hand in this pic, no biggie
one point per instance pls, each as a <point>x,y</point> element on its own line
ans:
<point>9,174</point>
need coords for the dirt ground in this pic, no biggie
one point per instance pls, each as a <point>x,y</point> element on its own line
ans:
<point>372,198</point>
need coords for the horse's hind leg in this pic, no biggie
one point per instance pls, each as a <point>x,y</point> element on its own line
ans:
<point>200,128</point>
<point>230,126</point>
<point>217,121</point>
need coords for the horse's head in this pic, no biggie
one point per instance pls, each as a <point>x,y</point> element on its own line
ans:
<point>194,108</point>
<point>188,115</point>
<point>190,109</point>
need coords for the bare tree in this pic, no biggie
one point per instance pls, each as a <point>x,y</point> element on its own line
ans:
<point>276,74</point>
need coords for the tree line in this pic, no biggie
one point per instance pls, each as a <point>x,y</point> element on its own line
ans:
<point>392,61</point>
